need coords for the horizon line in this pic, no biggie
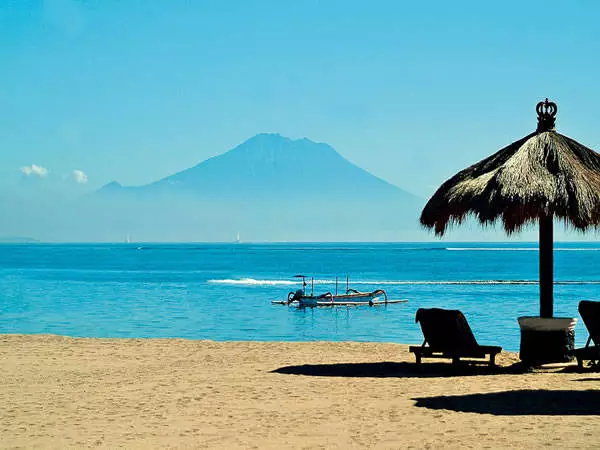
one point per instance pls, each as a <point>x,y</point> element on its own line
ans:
<point>35,242</point>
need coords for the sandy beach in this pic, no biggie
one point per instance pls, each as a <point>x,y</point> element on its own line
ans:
<point>59,392</point>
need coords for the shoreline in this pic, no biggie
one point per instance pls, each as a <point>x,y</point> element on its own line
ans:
<point>58,392</point>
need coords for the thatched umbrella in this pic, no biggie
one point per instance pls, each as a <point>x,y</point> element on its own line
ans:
<point>540,177</point>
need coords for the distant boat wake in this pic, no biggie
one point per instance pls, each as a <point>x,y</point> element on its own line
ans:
<point>254,282</point>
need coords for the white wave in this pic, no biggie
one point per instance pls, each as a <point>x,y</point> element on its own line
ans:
<point>254,282</point>
<point>517,249</point>
<point>492,249</point>
<point>445,282</point>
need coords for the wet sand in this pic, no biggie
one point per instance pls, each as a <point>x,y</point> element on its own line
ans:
<point>58,392</point>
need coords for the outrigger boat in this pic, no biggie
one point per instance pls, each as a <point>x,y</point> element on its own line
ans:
<point>351,297</point>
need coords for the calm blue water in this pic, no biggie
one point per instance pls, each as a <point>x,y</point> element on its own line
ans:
<point>224,292</point>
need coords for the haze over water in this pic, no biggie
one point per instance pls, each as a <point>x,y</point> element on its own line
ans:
<point>224,291</point>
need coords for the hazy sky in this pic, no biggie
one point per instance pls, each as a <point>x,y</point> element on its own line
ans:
<point>412,91</point>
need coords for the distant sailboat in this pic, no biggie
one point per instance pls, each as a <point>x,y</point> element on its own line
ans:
<point>128,239</point>
<point>237,238</point>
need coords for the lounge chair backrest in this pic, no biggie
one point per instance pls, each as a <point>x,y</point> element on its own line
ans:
<point>446,329</point>
<point>590,313</point>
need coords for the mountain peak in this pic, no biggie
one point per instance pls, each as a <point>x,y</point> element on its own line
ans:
<point>267,139</point>
<point>274,145</point>
<point>268,136</point>
<point>110,187</point>
<point>274,138</point>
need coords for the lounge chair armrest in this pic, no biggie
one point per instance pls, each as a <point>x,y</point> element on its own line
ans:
<point>490,349</point>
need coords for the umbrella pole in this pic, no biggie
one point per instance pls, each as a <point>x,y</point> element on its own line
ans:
<point>546,266</point>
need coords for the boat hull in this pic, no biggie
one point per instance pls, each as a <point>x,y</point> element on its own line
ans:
<point>366,298</point>
<point>350,298</point>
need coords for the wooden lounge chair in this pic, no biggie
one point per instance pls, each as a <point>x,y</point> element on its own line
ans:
<point>590,313</point>
<point>448,335</point>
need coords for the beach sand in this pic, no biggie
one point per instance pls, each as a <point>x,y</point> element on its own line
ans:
<point>59,392</point>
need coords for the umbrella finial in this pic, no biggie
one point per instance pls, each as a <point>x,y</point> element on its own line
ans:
<point>546,112</point>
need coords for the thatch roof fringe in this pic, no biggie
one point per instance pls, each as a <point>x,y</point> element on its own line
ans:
<point>545,173</point>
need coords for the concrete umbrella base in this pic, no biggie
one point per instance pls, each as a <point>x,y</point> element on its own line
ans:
<point>547,340</point>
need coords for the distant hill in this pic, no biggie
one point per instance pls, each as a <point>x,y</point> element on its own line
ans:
<point>17,240</point>
<point>269,188</point>
<point>273,166</point>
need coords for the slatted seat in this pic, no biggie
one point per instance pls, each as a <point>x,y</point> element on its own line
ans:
<point>448,335</point>
<point>590,314</point>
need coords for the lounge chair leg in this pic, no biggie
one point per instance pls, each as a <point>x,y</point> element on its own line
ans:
<point>492,360</point>
<point>579,363</point>
<point>418,358</point>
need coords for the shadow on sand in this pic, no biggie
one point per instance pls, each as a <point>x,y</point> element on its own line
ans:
<point>520,403</point>
<point>587,379</point>
<point>395,369</point>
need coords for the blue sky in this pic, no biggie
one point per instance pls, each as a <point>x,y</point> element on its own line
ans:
<point>134,90</point>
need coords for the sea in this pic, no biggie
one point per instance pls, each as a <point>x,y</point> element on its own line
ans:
<point>224,292</point>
